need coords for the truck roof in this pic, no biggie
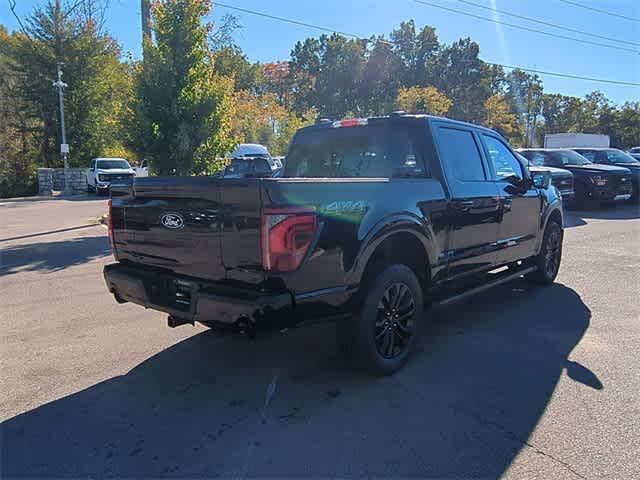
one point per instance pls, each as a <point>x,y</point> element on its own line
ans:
<point>325,123</point>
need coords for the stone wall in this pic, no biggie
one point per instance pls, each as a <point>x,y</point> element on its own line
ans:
<point>52,179</point>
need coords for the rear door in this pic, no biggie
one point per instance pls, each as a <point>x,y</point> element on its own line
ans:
<point>474,210</point>
<point>520,205</point>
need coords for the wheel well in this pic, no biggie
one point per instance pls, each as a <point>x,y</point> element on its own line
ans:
<point>400,248</point>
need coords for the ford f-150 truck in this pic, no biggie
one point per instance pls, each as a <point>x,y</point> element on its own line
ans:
<point>372,221</point>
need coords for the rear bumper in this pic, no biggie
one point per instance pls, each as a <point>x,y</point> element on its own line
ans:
<point>190,300</point>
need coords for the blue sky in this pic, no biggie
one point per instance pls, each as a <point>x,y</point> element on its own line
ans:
<point>267,40</point>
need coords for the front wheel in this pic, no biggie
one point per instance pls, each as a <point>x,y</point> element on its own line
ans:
<point>548,260</point>
<point>385,331</point>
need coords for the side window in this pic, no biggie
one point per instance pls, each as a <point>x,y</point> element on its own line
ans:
<point>460,155</point>
<point>504,162</point>
<point>93,164</point>
<point>405,153</point>
<point>591,156</point>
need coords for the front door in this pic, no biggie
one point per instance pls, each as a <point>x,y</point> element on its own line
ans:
<point>520,204</point>
<point>475,208</point>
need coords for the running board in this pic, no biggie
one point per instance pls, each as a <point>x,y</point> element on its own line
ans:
<point>484,287</point>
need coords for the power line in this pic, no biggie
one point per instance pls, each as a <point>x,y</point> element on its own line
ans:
<point>586,7</point>
<point>540,32</point>
<point>548,24</point>
<point>317,27</point>
<point>297,22</point>
<point>566,75</point>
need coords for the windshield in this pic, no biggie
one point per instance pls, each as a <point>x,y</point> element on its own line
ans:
<point>568,157</point>
<point>112,164</point>
<point>618,156</point>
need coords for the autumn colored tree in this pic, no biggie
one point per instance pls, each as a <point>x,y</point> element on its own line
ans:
<point>261,119</point>
<point>501,118</point>
<point>424,100</point>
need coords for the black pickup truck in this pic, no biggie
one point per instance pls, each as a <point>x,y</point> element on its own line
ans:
<point>372,221</point>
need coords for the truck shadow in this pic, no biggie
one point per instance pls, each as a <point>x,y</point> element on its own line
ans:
<point>282,406</point>
<point>54,256</point>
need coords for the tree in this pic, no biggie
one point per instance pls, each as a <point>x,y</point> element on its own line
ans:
<point>229,61</point>
<point>501,118</point>
<point>524,93</point>
<point>424,100</point>
<point>183,106</point>
<point>413,52</point>
<point>18,145</point>
<point>91,68</point>
<point>459,73</point>
<point>261,119</point>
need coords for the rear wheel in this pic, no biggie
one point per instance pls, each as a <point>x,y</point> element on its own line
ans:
<point>548,260</point>
<point>384,333</point>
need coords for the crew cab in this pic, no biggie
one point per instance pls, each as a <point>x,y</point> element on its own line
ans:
<point>593,182</point>
<point>373,220</point>
<point>103,171</point>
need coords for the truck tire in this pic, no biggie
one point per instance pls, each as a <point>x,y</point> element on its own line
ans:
<point>385,331</point>
<point>548,260</point>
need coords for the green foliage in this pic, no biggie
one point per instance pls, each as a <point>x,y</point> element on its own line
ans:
<point>524,93</point>
<point>183,107</point>
<point>91,68</point>
<point>195,94</point>
<point>458,72</point>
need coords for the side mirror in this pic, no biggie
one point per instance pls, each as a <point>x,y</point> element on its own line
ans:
<point>514,180</point>
<point>541,180</point>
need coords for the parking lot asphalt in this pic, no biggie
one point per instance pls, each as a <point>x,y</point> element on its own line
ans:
<point>519,382</point>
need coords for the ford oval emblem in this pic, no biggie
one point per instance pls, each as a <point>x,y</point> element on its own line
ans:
<point>173,221</point>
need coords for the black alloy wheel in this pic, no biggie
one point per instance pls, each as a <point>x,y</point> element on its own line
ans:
<point>395,321</point>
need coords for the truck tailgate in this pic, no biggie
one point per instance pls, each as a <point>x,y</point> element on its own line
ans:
<point>172,223</point>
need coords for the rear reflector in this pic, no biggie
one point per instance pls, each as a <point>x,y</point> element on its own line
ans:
<point>352,122</point>
<point>287,235</point>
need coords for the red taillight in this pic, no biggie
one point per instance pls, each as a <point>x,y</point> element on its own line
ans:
<point>110,226</point>
<point>287,235</point>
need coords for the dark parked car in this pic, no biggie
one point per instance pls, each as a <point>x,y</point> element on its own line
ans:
<point>561,178</point>
<point>249,167</point>
<point>591,181</point>
<point>372,220</point>
<point>613,156</point>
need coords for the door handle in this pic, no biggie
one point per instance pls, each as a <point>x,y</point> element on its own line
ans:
<point>464,205</point>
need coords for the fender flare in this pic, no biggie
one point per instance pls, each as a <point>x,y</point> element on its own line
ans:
<point>382,231</point>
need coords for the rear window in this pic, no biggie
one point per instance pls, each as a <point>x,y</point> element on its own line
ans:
<point>248,167</point>
<point>385,151</point>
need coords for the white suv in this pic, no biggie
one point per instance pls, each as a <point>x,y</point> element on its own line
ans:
<point>103,171</point>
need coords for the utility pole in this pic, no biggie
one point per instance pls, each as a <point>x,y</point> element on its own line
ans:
<point>146,22</point>
<point>64,147</point>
